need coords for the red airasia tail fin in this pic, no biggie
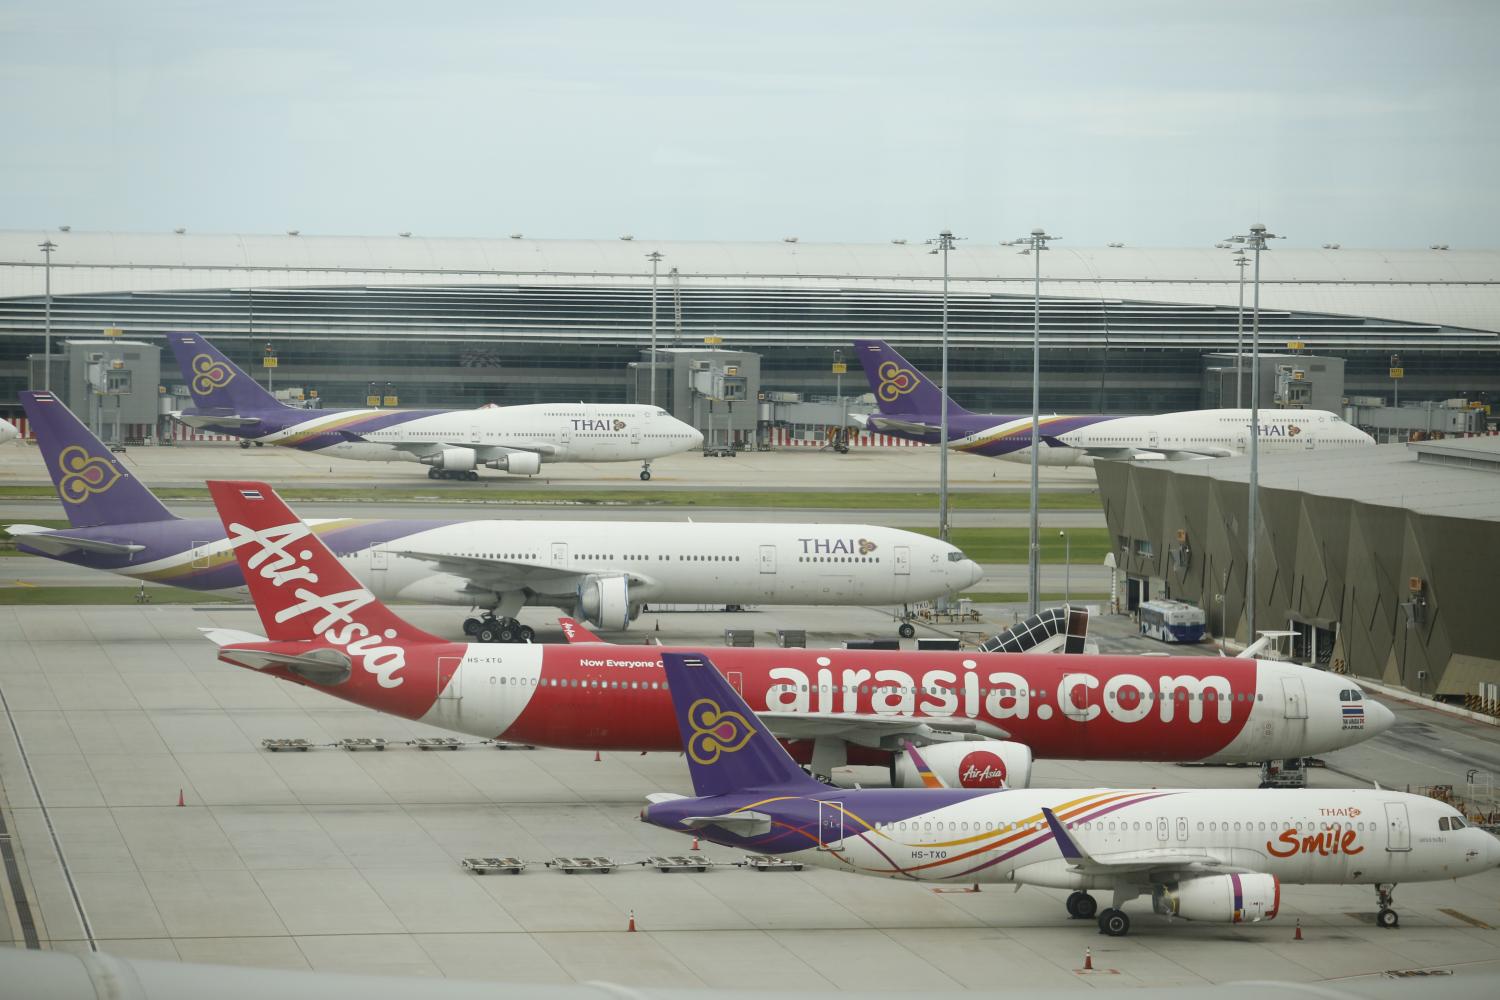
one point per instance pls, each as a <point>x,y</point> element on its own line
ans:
<point>300,589</point>
<point>575,633</point>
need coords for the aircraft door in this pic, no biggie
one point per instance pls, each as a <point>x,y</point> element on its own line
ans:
<point>379,559</point>
<point>1077,697</point>
<point>201,552</point>
<point>635,434</point>
<point>1153,441</point>
<point>1163,833</point>
<point>560,555</point>
<point>903,560</point>
<point>1397,827</point>
<point>1294,698</point>
<point>768,558</point>
<point>1182,829</point>
<point>448,667</point>
<point>830,826</point>
<point>736,681</point>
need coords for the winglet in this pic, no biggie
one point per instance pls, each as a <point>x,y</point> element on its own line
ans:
<point>929,779</point>
<point>1075,854</point>
<point>575,633</point>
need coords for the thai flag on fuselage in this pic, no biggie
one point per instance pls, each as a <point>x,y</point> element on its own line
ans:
<point>1354,715</point>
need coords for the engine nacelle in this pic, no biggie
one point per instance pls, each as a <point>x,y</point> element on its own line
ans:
<point>518,463</point>
<point>451,460</point>
<point>605,601</point>
<point>1222,899</point>
<point>979,764</point>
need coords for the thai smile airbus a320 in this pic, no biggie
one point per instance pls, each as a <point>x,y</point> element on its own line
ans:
<point>982,716</point>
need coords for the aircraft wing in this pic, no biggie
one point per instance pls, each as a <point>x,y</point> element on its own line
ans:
<point>876,731</point>
<point>880,423</point>
<point>744,824</point>
<point>511,574</point>
<point>1157,865</point>
<point>58,543</point>
<point>482,452</point>
<point>1148,455</point>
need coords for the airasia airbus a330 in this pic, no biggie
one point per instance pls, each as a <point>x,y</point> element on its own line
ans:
<point>983,716</point>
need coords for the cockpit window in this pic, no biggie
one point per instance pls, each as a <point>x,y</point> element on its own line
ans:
<point>1443,823</point>
<point>1458,823</point>
<point>1351,694</point>
<point>955,557</point>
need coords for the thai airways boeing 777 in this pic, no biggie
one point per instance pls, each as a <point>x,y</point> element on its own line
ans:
<point>911,407</point>
<point>453,443</point>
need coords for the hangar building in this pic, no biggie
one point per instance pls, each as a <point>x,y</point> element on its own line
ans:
<point>467,321</point>
<point>1381,559</point>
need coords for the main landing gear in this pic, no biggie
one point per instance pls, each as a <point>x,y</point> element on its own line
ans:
<point>1082,906</point>
<point>470,475</point>
<point>645,472</point>
<point>488,628</point>
<point>1386,916</point>
<point>1114,923</point>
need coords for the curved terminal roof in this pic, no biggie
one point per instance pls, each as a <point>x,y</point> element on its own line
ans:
<point>1456,289</point>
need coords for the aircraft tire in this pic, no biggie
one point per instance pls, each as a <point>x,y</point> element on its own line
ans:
<point>471,476</point>
<point>471,626</point>
<point>245,445</point>
<point>1388,918</point>
<point>260,444</point>
<point>526,633</point>
<point>1082,906</point>
<point>907,630</point>
<point>488,632</point>
<point>432,473</point>
<point>507,632</point>
<point>1114,923</point>
<point>645,475</point>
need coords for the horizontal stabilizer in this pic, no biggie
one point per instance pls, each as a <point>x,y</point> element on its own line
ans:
<point>657,797</point>
<point>741,824</point>
<point>205,420</point>
<point>230,636</point>
<point>575,633</point>
<point>57,543</point>
<point>876,731</point>
<point>318,664</point>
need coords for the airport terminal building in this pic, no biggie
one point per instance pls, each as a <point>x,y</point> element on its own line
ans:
<point>516,320</point>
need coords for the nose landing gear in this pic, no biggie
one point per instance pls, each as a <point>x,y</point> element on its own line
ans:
<point>645,472</point>
<point>1386,916</point>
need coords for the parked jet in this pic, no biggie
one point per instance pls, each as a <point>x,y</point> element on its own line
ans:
<point>988,713</point>
<point>604,571</point>
<point>1218,855</point>
<point>8,431</point>
<point>454,443</point>
<point>911,407</point>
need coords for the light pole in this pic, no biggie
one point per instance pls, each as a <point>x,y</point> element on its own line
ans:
<point>1067,567</point>
<point>655,258</point>
<point>1240,261</point>
<point>46,247</point>
<point>1256,240</point>
<point>1035,244</point>
<point>945,242</point>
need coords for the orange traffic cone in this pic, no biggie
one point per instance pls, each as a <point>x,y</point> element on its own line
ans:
<point>631,928</point>
<point>596,756</point>
<point>179,798</point>
<point>695,843</point>
<point>1088,960</point>
<point>1298,935</point>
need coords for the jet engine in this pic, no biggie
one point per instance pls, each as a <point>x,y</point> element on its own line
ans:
<point>605,601</point>
<point>977,764</point>
<point>451,460</point>
<point>1224,899</point>
<point>518,463</point>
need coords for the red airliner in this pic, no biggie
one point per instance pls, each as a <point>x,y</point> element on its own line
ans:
<point>981,716</point>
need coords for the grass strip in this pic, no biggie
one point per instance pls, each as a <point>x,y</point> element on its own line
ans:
<point>1085,546</point>
<point>108,595</point>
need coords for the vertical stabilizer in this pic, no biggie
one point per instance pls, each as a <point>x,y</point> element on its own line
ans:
<point>899,388</point>
<point>300,589</point>
<point>728,748</point>
<point>216,382</point>
<point>94,487</point>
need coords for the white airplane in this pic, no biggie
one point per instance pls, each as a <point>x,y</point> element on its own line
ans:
<point>1215,855</point>
<point>600,571</point>
<point>8,431</point>
<point>454,443</point>
<point>911,407</point>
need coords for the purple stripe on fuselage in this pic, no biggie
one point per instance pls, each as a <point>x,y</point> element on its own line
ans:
<point>969,424</point>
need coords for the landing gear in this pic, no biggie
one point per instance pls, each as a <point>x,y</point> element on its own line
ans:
<point>470,475</point>
<point>432,473</point>
<point>645,472</point>
<point>907,630</point>
<point>491,629</point>
<point>1114,923</point>
<point>1386,917</point>
<point>245,445</point>
<point>1082,906</point>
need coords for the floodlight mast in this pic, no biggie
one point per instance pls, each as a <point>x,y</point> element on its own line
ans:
<point>1035,244</point>
<point>944,242</point>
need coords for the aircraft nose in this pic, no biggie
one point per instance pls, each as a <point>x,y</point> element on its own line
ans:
<point>1491,850</point>
<point>976,572</point>
<point>1378,718</point>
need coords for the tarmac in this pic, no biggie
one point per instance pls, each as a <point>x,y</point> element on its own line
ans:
<point>333,860</point>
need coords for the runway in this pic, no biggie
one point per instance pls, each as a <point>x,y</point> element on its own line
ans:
<point>339,861</point>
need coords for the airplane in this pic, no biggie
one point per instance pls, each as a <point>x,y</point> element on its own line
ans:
<point>8,431</point>
<point>983,716</point>
<point>453,443</point>
<point>602,571</point>
<point>1217,855</point>
<point>911,407</point>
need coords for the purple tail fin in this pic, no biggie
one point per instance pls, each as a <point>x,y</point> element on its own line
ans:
<point>216,382</point>
<point>94,487</point>
<point>728,748</point>
<point>899,388</point>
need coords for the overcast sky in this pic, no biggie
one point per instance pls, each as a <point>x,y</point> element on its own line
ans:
<point>1153,123</point>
